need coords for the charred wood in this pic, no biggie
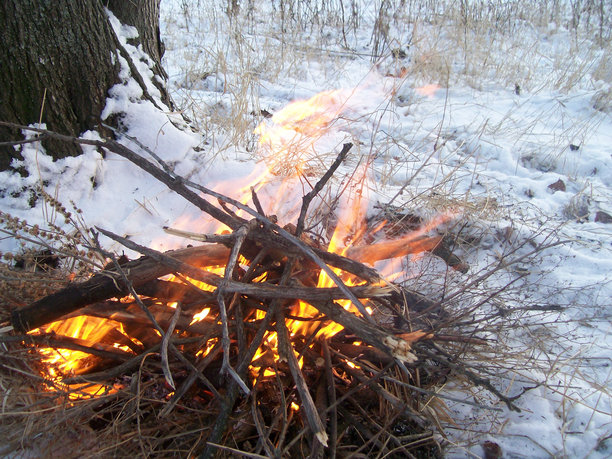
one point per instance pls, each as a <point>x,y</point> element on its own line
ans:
<point>107,284</point>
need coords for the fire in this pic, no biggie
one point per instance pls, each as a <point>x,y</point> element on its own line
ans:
<point>200,316</point>
<point>351,222</point>
<point>287,142</point>
<point>289,147</point>
<point>62,363</point>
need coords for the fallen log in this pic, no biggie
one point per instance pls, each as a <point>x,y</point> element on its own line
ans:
<point>107,284</point>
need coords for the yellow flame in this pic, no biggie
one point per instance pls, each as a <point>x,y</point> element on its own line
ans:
<point>286,142</point>
<point>61,363</point>
<point>200,316</point>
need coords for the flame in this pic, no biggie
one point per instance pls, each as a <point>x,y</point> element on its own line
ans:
<point>61,363</point>
<point>200,316</point>
<point>351,223</point>
<point>289,145</point>
<point>287,141</point>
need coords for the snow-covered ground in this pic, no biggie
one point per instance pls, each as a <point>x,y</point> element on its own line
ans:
<point>479,120</point>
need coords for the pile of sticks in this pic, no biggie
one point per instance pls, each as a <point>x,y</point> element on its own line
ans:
<point>382,360</point>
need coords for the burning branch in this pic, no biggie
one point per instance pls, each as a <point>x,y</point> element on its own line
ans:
<point>107,284</point>
<point>262,325</point>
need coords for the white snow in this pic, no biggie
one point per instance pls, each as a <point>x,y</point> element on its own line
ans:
<point>476,145</point>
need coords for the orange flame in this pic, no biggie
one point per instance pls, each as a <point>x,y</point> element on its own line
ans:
<point>61,363</point>
<point>288,145</point>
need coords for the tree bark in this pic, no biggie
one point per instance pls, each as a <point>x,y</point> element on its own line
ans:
<point>58,60</point>
<point>144,15</point>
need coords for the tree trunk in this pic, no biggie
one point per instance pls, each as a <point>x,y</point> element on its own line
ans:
<point>58,60</point>
<point>144,15</point>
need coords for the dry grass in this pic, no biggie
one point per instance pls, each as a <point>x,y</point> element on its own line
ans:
<point>127,422</point>
<point>232,58</point>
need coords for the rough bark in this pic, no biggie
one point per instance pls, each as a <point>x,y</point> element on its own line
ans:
<point>144,15</point>
<point>58,61</point>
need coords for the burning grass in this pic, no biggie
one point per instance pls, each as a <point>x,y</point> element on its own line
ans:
<point>112,375</point>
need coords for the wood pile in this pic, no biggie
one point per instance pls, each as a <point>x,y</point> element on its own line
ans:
<point>258,374</point>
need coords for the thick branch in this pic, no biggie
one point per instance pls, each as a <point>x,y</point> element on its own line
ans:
<point>106,284</point>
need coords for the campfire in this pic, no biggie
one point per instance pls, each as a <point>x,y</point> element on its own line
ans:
<point>283,341</point>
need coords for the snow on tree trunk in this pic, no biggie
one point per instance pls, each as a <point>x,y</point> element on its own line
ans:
<point>58,60</point>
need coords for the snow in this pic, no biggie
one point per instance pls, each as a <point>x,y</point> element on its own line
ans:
<point>473,143</point>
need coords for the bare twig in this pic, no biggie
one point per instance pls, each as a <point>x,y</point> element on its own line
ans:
<point>221,238</point>
<point>240,235</point>
<point>307,199</point>
<point>331,396</point>
<point>66,342</point>
<point>256,202</point>
<point>285,350</point>
<point>164,346</point>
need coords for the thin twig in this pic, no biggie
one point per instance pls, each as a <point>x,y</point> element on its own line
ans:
<point>285,350</point>
<point>126,366</point>
<point>240,235</point>
<point>331,396</point>
<point>446,359</point>
<point>256,202</point>
<point>164,346</point>
<point>440,395</point>
<point>263,437</point>
<point>173,182</point>
<point>200,367</point>
<point>40,138</point>
<point>308,197</point>
<point>221,238</point>
<point>66,342</point>
<point>175,265</point>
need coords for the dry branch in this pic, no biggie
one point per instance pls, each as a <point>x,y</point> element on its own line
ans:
<point>65,342</point>
<point>368,332</point>
<point>108,284</point>
<point>392,249</point>
<point>235,332</point>
<point>285,350</point>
